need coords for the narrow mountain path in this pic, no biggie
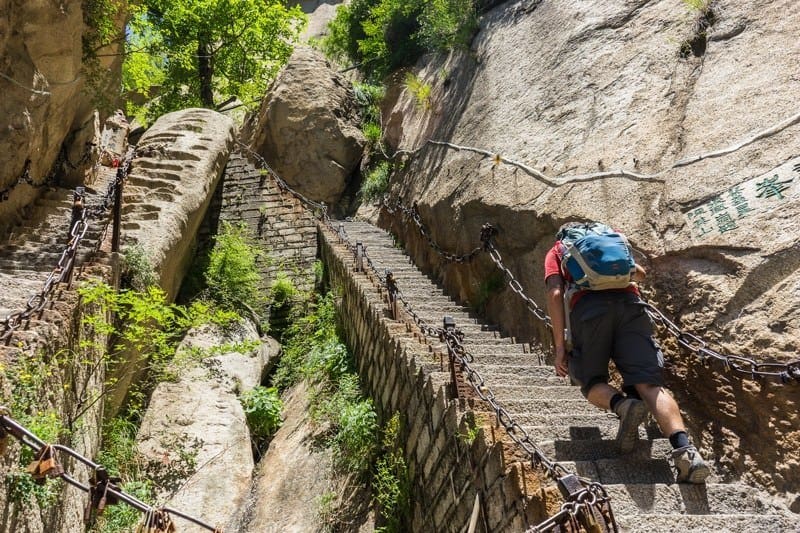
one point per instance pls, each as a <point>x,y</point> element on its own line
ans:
<point>573,433</point>
<point>35,249</point>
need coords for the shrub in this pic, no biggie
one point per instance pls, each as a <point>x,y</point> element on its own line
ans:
<point>282,289</point>
<point>376,182</point>
<point>355,436</point>
<point>419,89</point>
<point>372,132</point>
<point>368,98</point>
<point>262,406</point>
<point>232,274</point>
<point>446,24</point>
<point>383,35</point>
<point>137,271</point>
<point>391,484</point>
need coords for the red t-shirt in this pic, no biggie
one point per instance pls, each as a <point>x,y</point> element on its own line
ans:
<point>552,266</point>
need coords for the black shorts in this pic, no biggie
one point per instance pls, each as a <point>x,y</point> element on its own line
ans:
<point>613,325</point>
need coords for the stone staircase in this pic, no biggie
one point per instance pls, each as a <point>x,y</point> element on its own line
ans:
<point>570,431</point>
<point>277,222</point>
<point>32,249</point>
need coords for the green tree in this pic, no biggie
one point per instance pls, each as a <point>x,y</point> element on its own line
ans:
<point>209,49</point>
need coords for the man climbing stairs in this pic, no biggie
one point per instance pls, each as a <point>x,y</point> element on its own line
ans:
<point>570,431</point>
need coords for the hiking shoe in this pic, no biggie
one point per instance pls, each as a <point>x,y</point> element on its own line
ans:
<point>631,413</point>
<point>690,466</point>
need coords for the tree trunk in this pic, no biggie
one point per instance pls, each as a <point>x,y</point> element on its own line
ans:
<point>205,69</point>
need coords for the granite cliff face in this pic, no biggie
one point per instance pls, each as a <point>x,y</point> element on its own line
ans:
<point>678,126</point>
<point>47,116</point>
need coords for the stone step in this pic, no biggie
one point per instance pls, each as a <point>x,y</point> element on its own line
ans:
<point>711,523</point>
<point>526,419</point>
<point>498,357</point>
<point>597,429</point>
<point>688,499</point>
<point>499,378</point>
<point>513,372</point>
<point>553,392</point>
<point>564,407</point>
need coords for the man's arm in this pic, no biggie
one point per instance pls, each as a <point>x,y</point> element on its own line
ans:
<point>555,308</point>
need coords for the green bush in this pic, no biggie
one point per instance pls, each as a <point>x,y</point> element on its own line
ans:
<point>419,89</point>
<point>376,182</point>
<point>446,24</point>
<point>282,289</point>
<point>313,351</point>
<point>368,98</point>
<point>383,35</point>
<point>355,440</point>
<point>372,132</point>
<point>315,328</point>
<point>391,484</point>
<point>232,275</point>
<point>262,406</point>
<point>137,271</point>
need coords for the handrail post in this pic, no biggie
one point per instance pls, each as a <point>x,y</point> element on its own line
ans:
<point>359,257</point>
<point>117,217</point>
<point>449,324</point>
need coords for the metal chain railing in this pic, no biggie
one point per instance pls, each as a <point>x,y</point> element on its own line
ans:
<point>588,500</point>
<point>772,371</point>
<point>413,214</point>
<point>777,372</point>
<point>62,272</point>
<point>50,179</point>
<point>103,489</point>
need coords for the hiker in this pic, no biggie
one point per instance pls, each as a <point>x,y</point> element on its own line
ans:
<point>597,316</point>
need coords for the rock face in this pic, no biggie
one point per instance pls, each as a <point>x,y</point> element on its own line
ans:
<point>179,161</point>
<point>320,13</point>
<point>292,476</point>
<point>705,129</point>
<point>307,128</point>
<point>44,106</point>
<point>200,416</point>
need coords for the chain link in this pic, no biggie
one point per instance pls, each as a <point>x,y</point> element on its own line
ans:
<point>100,479</point>
<point>62,272</point>
<point>771,371</point>
<point>50,179</point>
<point>413,214</point>
<point>592,501</point>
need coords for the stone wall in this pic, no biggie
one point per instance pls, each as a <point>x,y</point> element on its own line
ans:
<point>55,354</point>
<point>400,372</point>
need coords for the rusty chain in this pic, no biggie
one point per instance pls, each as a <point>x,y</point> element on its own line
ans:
<point>580,511</point>
<point>772,371</point>
<point>50,179</point>
<point>103,489</point>
<point>776,372</point>
<point>413,214</point>
<point>62,272</point>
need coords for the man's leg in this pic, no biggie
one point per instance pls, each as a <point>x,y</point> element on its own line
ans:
<point>662,405</point>
<point>631,412</point>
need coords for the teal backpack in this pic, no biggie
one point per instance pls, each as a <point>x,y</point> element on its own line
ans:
<point>595,256</point>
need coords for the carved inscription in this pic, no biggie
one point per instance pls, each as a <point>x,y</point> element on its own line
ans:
<point>725,212</point>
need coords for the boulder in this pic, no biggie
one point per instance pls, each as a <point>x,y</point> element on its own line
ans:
<point>308,127</point>
<point>194,438</point>
<point>626,113</point>
<point>47,120</point>
<point>179,161</point>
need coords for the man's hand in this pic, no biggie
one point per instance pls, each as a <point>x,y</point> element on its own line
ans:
<point>561,364</point>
